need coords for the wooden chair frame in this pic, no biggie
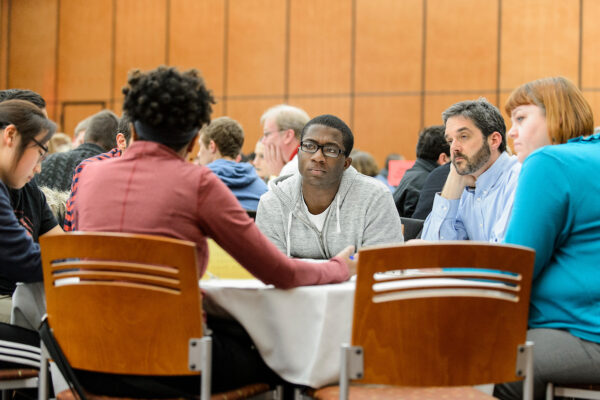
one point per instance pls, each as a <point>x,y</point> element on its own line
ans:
<point>19,378</point>
<point>440,314</point>
<point>591,392</point>
<point>144,283</point>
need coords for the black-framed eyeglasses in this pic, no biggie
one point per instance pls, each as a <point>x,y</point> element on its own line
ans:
<point>329,150</point>
<point>41,146</point>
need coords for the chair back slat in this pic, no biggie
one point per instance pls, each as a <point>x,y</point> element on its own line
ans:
<point>424,318</point>
<point>122,303</point>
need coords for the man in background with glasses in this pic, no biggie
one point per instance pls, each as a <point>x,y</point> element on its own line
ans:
<point>282,125</point>
<point>328,205</point>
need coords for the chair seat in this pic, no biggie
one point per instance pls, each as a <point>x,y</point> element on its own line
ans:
<point>18,373</point>
<point>237,394</point>
<point>379,392</point>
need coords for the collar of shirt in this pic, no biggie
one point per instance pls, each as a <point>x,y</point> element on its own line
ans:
<point>489,178</point>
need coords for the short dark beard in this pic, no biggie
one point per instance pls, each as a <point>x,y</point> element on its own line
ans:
<point>476,162</point>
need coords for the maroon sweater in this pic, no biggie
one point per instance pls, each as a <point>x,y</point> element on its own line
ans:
<point>151,190</point>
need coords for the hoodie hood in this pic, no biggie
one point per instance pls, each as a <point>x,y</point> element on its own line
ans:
<point>233,174</point>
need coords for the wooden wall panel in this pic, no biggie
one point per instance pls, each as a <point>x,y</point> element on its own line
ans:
<point>256,48</point>
<point>196,39</point>
<point>540,38</point>
<point>140,40</point>
<point>590,57</point>
<point>435,104</point>
<point>85,50</point>
<point>594,99</point>
<point>461,48</point>
<point>73,114</point>
<point>4,23</point>
<point>314,106</point>
<point>385,125</point>
<point>248,113</point>
<point>32,46</point>
<point>320,46</point>
<point>389,45</point>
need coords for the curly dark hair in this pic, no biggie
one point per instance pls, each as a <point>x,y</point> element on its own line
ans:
<point>168,103</point>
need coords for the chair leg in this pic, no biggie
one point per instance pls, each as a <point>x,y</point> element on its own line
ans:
<point>5,394</point>
<point>550,391</point>
<point>43,376</point>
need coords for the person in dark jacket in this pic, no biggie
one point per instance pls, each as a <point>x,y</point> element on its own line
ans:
<point>220,146</point>
<point>58,168</point>
<point>432,151</point>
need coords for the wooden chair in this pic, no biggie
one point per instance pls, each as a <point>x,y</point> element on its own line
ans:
<point>424,329</point>
<point>591,392</point>
<point>126,304</point>
<point>23,377</point>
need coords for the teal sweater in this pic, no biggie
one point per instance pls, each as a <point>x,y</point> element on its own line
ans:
<point>556,211</point>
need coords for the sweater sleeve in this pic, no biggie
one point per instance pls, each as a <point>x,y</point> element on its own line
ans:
<point>443,222</point>
<point>237,234</point>
<point>540,209</point>
<point>20,259</point>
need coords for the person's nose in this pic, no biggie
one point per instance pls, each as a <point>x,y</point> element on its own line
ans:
<point>513,132</point>
<point>455,147</point>
<point>38,167</point>
<point>319,155</point>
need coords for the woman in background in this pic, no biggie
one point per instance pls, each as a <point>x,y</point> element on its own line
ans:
<point>556,213</point>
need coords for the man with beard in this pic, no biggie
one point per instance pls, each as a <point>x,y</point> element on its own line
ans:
<point>476,201</point>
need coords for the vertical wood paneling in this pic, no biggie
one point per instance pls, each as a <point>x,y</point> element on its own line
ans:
<point>387,35</point>
<point>33,41</point>
<point>594,99</point>
<point>461,49</point>
<point>320,46</point>
<point>85,50</point>
<point>140,39</point>
<point>196,39</point>
<point>248,113</point>
<point>314,106</point>
<point>436,104</point>
<point>540,38</point>
<point>4,23</point>
<point>256,60</point>
<point>590,74</point>
<point>73,114</point>
<point>385,125</point>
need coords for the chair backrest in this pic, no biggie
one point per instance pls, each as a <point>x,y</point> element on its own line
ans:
<point>460,325</point>
<point>122,303</point>
<point>412,227</point>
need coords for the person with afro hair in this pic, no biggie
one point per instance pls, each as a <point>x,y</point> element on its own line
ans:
<point>154,190</point>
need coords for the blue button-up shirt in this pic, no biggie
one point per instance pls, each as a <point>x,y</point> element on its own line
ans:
<point>482,213</point>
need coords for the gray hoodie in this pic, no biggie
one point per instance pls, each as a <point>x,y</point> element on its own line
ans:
<point>361,214</point>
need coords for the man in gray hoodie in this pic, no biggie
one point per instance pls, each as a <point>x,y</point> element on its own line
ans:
<point>328,205</point>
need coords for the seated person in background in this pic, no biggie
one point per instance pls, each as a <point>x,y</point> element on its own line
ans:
<point>318,212</point>
<point>160,193</point>
<point>58,169</point>
<point>220,146</point>
<point>476,201</point>
<point>59,143</point>
<point>364,163</point>
<point>122,139</point>
<point>432,151</point>
<point>556,213</point>
<point>259,161</point>
<point>282,125</point>
<point>384,172</point>
<point>28,202</point>
<point>22,147</point>
<point>433,184</point>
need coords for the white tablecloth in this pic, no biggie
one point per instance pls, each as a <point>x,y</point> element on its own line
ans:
<point>298,332</point>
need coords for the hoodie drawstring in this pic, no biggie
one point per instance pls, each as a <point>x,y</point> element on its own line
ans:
<point>289,231</point>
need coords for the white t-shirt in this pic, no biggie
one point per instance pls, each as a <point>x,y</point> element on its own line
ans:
<point>317,220</point>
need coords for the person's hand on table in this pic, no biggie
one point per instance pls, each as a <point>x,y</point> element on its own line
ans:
<point>349,258</point>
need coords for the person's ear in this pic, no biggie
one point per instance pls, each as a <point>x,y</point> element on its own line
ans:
<point>289,135</point>
<point>442,159</point>
<point>121,141</point>
<point>9,135</point>
<point>347,162</point>
<point>238,158</point>
<point>212,147</point>
<point>495,140</point>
